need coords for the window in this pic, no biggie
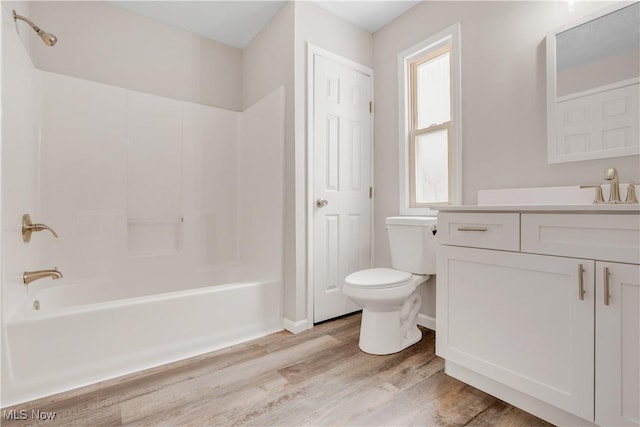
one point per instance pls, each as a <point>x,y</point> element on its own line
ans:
<point>430,124</point>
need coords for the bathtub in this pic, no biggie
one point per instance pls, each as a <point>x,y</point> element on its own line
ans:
<point>85,333</point>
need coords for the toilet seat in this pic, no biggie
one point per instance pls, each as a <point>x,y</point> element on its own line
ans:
<point>375,278</point>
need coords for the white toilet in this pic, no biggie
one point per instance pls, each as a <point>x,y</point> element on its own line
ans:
<point>390,297</point>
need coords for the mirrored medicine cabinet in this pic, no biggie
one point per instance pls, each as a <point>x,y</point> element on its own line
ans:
<point>593,76</point>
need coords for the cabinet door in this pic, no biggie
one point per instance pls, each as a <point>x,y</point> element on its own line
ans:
<point>618,345</point>
<point>519,320</point>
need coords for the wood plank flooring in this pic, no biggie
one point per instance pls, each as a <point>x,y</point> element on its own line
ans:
<point>319,377</point>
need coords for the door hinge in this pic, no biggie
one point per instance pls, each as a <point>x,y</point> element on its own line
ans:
<point>371,192</point>
<point>370,107</point>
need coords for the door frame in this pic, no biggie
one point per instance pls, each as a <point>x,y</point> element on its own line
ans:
<point>312,51</point>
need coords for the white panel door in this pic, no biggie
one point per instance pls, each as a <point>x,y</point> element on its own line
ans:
<point>342,179</point>
<point>618,345</point>
<point>519,319</point>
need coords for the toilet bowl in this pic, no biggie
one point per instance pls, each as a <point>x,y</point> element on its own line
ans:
<point>390,297</point>
<point>390,304</point>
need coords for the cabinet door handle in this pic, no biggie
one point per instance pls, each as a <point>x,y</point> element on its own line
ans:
<point>607,295</point>
<point>472,228</point>
<point>581,290</point>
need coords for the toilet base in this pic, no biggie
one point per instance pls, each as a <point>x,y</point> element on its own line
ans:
<point>389,315</point>
<point>380,333</point>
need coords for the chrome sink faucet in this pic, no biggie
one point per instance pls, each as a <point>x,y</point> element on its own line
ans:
<point>30,276</point>
<point>614,192</point>
<point>611,174</point>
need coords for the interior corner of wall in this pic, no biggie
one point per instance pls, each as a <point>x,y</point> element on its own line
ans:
<point>11,36</point>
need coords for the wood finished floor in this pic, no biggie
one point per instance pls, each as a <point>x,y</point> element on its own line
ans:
<point>319,377</point>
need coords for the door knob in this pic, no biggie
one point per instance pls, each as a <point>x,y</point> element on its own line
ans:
<point>321,203</point>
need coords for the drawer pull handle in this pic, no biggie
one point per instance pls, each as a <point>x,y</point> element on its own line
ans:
<point>472,228</point>
<point>607,295</point>
<point>581,290</point>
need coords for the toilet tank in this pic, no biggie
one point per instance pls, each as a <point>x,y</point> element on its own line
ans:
<point>413,243</point>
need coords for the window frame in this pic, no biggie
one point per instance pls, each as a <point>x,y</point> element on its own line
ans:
<point>415,131</point>
<point>436,45</point>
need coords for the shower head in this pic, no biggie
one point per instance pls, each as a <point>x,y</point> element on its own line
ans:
<point>48,38</point>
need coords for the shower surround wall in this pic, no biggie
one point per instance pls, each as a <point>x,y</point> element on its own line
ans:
<point>19,154</point>
<point>148,190</point>
<point>170,212</point>
<point>165,209</point>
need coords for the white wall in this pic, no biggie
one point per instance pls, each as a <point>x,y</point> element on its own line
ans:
<point>3,363</point>
<point>2,26</point>
<point>20,107</point>
<point>104,43</point>
<point>18,161</point>
<point>277,57</point>
<point>145,192</point>
<point>24,31</point>
<point>260,175</point>
<point>134,76</point>
<point>117,175</point>
<point>267,63</point>
<point>316,26</point>
<point>503,100</point>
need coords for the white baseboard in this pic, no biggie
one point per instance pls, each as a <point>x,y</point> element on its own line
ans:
<point>295,327</point>
<point>427,321</point>
<point>302,325</point>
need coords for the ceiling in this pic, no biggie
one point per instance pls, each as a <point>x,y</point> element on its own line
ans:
<point>236,23</point>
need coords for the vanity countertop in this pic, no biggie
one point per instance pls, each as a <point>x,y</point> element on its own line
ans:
<point>599,208</point>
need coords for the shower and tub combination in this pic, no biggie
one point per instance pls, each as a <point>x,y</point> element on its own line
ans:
<point>170,221</point>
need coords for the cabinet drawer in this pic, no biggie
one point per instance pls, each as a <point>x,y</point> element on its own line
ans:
<point>607,237</point>
<point>480,230</point>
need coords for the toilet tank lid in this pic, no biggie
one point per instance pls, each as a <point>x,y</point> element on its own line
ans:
<point>420,221</point>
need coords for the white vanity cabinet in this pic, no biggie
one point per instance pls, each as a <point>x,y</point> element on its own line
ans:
<point>526,319</point>
<point>517,318</point>
<point>617,344</point>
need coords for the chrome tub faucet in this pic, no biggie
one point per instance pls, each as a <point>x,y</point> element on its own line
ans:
<point>30,276</point>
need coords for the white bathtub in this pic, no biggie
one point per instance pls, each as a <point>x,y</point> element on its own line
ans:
<point>83,334</point>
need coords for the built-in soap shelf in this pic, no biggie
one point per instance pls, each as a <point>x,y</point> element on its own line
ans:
<point>155,236</point>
